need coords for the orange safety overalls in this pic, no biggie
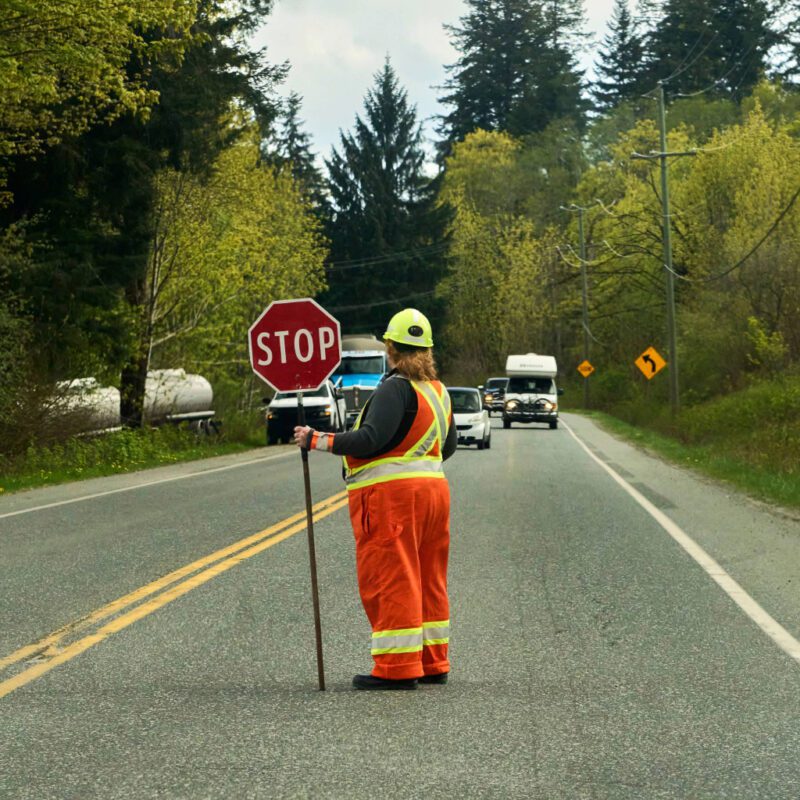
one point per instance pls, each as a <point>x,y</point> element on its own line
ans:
<point>400,510</point>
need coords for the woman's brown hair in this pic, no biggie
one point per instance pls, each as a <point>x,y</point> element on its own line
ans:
<point>415,363</point>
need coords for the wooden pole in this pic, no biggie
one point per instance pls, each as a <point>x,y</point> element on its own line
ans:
<point>312,551</point>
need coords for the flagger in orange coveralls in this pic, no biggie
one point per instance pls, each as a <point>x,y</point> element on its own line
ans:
<point>400,509</point>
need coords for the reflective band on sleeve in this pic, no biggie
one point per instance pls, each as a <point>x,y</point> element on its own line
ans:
<point>436,632</point>
<point>322,441</point>
<point>405,640</point>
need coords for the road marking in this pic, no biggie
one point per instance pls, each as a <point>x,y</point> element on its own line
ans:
<point>143,485</point>
<point>52,639</point>
<point>236,553</point>
<point>751,607</point>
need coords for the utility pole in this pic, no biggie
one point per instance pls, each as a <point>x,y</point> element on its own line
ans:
<point>582,242</point>
<point>674,392</point>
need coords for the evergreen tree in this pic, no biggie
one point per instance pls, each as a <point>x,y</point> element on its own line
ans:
<point>517,69</point>
<point>293,148</point>
<point>719,46</point>
<point>92,197</point>
<point>383,221</point>
<point>619,70</point>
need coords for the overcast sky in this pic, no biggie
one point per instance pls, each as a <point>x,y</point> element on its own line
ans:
<point>336,46</point>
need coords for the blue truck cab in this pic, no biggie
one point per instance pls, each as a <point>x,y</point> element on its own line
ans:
<point>362,369</point>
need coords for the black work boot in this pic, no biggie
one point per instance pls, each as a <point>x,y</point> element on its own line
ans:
<point>371,682</point>
<point>440,678</point>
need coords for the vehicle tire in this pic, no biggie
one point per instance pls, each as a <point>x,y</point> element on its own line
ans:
<point>488,442</point>
<point>273,438</point>
<point>506,423</point>
<point>481,444</point>
<point>553,425</point>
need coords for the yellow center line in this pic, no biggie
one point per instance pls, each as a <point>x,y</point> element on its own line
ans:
<point>52,639</point>
<point>137,613</point>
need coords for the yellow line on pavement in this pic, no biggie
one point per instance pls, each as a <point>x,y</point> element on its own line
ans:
<point>52,639</point>
<point>137,613</point>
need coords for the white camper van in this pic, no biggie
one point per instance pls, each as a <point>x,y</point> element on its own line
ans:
<point>531,394</point>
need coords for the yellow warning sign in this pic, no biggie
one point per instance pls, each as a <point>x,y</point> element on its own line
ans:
<point>585,369</point>
<point>650,363</point>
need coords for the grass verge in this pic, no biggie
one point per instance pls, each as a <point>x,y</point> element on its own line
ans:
<point>723,457</point>
<point>124,451</point>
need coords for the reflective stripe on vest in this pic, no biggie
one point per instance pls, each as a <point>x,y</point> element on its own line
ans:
<point>418,458</point>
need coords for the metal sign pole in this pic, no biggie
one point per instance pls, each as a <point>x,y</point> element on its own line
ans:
<point>312,552</point>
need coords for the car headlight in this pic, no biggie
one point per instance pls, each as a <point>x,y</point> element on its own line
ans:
<point>476,419</point>
<point>548,406</point>
<point>512,404</point>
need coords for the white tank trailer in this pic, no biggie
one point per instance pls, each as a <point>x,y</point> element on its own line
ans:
<point>171,395</point>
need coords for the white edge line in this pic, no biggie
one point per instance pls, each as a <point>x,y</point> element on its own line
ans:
<point>143,485</point>
<point>751,607</point>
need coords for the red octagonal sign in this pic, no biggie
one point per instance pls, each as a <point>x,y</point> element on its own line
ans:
<point>295,345</point>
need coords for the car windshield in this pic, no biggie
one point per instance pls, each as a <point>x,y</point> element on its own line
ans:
<point>361,365</point>
<point>465,401</point>
<point>531,386</point>
<point>496,383</point>
<point>321,392</point>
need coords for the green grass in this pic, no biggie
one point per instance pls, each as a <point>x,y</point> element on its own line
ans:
<point>749,438</point>
<point>123,451</point>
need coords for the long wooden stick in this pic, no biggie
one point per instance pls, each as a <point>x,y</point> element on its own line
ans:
<point>312,551</point>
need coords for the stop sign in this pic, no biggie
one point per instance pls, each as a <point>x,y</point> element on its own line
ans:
<point>294,345</point>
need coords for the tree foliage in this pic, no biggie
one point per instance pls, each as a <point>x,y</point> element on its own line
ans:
<point>735,228</point>
<point>498,289</point>
<point>88,202</point>
<point>66,64</point>
<point>385,232</point>
<point>223,250</point>
<point>619,68</point>
<point>291,147</point>
<point>517,68</point>
<point>716,46</point>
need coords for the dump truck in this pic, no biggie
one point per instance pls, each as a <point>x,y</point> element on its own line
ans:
<point>363,367</point>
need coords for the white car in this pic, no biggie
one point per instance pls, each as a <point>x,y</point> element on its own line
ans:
<point>324,409</point>
<point>470,417</point>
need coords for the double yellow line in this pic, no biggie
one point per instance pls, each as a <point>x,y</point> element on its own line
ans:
<point>48,652</point>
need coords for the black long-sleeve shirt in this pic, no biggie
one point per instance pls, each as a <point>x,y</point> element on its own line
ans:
<point>390,413</point>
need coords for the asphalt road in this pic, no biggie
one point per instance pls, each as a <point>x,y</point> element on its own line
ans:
<point>593,656</point>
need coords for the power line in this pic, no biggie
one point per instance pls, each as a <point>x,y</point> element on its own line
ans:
<point>400,255</point>
<point>772,228</point>
<point>681,69</point>
<point>384,302</point>
<point>719,80</point>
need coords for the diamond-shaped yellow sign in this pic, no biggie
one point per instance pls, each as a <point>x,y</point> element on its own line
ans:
<point>650,363</point>
<point>585,369</point>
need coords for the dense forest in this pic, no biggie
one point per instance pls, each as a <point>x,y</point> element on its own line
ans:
<point>156,192</point>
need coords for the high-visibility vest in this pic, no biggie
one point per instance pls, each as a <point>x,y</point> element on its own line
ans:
<point>419,454</point>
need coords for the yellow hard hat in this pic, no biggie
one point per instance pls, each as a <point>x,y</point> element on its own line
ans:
<point>411,327</point>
